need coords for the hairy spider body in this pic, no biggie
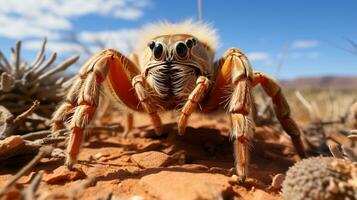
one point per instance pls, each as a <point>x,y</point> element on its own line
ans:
<point>174,68</point>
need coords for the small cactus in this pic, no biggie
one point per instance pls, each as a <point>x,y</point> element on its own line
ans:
<point>320,178</point>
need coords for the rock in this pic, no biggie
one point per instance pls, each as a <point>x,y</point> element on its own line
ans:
<point>261,195</point>
<point>195,167</point>
<point>233,179</point>
<point>10,144</point>
<point>151,159</point>
<point>150,146</point>
<point>100,155</point>
<point>177,185</point>
<point>278,181</point>
<point>63,174</point>
<point>218,170</point>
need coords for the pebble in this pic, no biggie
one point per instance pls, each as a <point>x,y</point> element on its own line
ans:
<point>233,179</point>
<point>151,159</point>
<point>278,181</point>
<point>63,174</point>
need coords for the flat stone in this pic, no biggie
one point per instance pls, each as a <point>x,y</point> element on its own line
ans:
<point>177,185</point>
<point>63,174</point>
<point>151,159</point>
<point>10,143</point>
<point>150,146</point>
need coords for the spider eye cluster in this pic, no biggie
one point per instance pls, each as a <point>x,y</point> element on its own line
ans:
<point>182,48</point>
<point>157,49</point>
<point>191,42</point>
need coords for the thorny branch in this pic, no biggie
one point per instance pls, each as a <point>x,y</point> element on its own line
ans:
<point>10,123</point>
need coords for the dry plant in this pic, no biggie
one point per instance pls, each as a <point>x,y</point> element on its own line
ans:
<point>29,94</point>
<point>353,115</point>
<point>21,83</point>
<point>263,109</point>
<point>326,131</point>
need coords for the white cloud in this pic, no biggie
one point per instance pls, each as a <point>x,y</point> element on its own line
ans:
<point>313,54</point>
<point>129,14</point>
<point>18,29</point>
<point>122,40</point>
<point>305,44</point>
<point>34,19</point>
<point>303,55</point>
<point>53,46</point>
<point>259,56</point>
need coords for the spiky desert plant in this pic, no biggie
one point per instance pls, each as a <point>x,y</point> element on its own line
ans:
<point>321,178</point>
<point>22,83</point>
<point>353,115</point>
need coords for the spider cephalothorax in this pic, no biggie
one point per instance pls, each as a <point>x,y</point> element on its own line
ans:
<point>173,68</point>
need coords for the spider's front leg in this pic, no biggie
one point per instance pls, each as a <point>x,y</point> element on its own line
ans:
<point>140,86</point>
<point>202,85</point>
<point>234,78</point>
<point>83,97</point>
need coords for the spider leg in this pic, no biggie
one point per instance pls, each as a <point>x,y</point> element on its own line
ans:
<point>235,74</point>
<point>83,97</point>
<point>196,96</point>
<point>282,110</point>
<point>129,124</point>
<point>140,87</point>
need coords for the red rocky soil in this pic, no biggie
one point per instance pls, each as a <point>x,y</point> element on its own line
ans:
<point>198,165</point>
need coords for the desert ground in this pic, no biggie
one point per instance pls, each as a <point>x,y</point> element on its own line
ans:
<point>198,165</point>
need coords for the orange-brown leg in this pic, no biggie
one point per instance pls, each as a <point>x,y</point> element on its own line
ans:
<point>235,74</point>
<point>140,87</point>
<point>83,97</point>
<point>282,110</point>
<point>129,123</point>
<point>196,96</point>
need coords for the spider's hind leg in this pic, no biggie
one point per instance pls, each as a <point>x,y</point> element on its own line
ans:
<point>282,110</point>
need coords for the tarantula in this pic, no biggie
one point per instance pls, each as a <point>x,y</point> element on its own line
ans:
<point>174,68</point>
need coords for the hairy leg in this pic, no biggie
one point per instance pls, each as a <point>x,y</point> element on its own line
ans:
<point>282,110</point>
<point>129,123</point>
<point>83,97</point>
<point>196,96</point>
<point>140,86</point>
<point>235,76</point>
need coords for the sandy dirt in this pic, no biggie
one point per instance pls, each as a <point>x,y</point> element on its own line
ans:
<point>198,165</point>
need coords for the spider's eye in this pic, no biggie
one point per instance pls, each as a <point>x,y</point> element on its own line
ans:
<point>194,41</point>
<point>158,49</point>
<point>181,50</point>
<point>151,44</point>
<point>189,43</point>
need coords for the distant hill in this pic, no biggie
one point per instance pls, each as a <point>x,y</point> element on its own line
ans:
<point>338,82</point>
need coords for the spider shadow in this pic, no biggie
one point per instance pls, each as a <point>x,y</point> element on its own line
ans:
<point>209,147</point>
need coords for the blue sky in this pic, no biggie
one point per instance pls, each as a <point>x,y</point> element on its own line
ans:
<point>313,32</point>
